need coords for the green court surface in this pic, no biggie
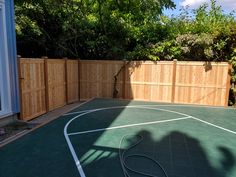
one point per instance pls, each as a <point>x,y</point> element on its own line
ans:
<point>116,138</point>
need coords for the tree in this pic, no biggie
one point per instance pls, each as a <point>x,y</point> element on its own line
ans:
<point>86,28</point>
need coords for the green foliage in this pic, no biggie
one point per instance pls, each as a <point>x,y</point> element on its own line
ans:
<point>167,50</point>
<point>233,62</point>
<point>196,46</point>
<point>87,29</point>
<point>135,29</point>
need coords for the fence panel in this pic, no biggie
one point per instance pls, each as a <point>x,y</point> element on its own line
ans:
<point>56,83</point>
<point>97,78</point>
<point>32,88</point>
<point>150,81</point>
<point>72,80</point>
<point>46,84</point>
<point>202,83</point>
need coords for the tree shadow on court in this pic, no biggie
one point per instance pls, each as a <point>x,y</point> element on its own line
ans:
<point>179,154</point>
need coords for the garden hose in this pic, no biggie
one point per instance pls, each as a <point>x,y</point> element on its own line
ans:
<point>123,159</point>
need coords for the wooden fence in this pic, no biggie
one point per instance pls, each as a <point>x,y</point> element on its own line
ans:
<point>200,83</point>
<point>149,81</point>
<point>97,78</point>
<point>32,88</point>
<point>46,84</point>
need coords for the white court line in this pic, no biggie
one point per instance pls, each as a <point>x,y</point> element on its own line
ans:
<point>77,162</point>
<point>130,125</point>
<point>72,150</point>
<point>194,106</point>
<point>161,105</point>
<point>134,106</point>
<point>85,102</point>
<point>219,127</point>
<point>78,112</point>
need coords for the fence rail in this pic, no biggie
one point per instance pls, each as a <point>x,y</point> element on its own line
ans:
<point>46,84</point>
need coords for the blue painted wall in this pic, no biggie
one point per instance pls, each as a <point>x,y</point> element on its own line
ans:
<point>12,53</point>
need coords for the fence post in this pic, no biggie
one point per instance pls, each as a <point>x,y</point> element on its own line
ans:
<point>228,85</point>
<point>173,81</point>
<point>20,78</point>
<point>79,63</point>
<point>45,58</point>
<point>66,79</point>
<point>124,80</point>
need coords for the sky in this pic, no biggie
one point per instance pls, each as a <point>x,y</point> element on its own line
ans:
<point>227,5</point>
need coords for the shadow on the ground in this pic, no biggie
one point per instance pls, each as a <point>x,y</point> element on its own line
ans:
<point>179,154</point>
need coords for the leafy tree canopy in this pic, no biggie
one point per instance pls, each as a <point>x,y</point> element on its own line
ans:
<point>87,28</point>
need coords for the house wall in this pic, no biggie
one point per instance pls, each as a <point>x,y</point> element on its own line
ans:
<point>12,54</point>
<point>8,61</point>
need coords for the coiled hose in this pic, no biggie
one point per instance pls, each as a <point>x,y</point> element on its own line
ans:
<point>124,158</point>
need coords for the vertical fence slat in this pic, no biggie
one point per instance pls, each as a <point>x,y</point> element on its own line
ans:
<point>79,69</point>
<point>228,84</point>
<point>124,80</point>
<point>46,83</point>
<point>66,80</point>
<point>72,80</point>
<point>20,85</point>
<point>173,81</point>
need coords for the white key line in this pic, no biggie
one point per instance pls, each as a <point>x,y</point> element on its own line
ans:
<point>130,125</point>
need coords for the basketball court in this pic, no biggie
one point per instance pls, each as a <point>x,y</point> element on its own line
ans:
<point>115,138</point>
